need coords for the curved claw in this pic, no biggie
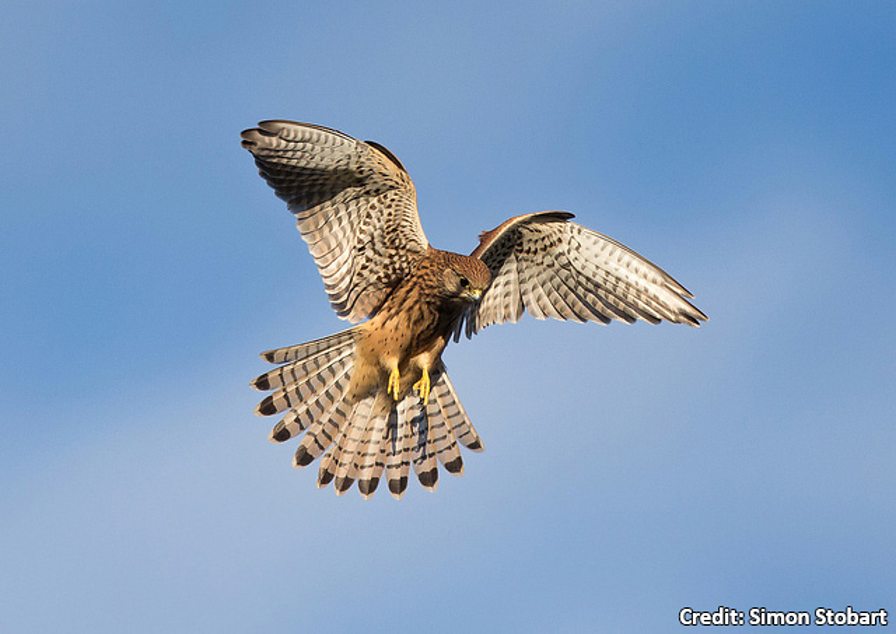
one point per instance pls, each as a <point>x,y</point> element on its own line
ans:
<point>422,386</point>
<point>393,389</point>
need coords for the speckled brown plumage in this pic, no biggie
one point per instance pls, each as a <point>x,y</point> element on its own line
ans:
<point>375,400</point>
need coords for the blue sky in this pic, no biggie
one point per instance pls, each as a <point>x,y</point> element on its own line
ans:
<point>748,148</point>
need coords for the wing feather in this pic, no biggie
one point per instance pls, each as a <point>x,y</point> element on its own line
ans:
<point>355,206</point>
<point>551,267</point>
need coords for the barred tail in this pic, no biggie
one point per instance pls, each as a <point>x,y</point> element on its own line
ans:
<point>367,437</point>
<point>409,434</point>
<point>310,386</point>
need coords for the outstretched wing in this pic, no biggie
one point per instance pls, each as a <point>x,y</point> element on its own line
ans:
<point>551,267</point>
<point>355,206</point>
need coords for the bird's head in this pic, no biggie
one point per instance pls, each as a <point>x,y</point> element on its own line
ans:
<point>466,279</point>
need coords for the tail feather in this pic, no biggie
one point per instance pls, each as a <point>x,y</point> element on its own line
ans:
<point>408,440</point>
<point>455,415</point>
<point>393,445</point>
<point>321,434</point>
<point>346,448</point>
<point>301,416</point>
<point>369,439</point>
<point>401,443</point>
<point>296,394</point>
<point>444,444</point>
<point>299,371</point>
<point>343,339</point>
<point>370,458</point>
<point>327,470</point>
<point>424,455</point>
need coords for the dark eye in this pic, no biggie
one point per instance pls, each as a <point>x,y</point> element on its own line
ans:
<point>464,282</point>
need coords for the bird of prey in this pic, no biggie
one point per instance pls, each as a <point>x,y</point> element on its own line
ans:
<point>376,398</point>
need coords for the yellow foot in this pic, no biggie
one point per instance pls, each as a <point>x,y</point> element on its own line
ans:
<point>422,386</point>
<point>394,387</point>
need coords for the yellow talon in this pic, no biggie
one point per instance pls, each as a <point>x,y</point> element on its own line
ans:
<point>422,386</point>
<point>394,387</point>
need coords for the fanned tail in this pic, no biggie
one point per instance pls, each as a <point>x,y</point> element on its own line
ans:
<point>422,436</point>
<point>363,438</point>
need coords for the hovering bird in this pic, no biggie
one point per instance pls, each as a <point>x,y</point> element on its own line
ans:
<point>376,397</point>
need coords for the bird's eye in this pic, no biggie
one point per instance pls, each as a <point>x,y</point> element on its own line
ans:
<point>464,282</point>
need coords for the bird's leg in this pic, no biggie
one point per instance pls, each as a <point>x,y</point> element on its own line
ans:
<point>422,386</point>
<point>393,389</point>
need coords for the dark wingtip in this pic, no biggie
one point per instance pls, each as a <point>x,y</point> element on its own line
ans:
<point>388,153</point>
<point>247,136</point>
<point>487,238</point>
<point>272,127</point>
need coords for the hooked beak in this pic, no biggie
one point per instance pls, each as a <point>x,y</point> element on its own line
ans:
<point>474,295</point>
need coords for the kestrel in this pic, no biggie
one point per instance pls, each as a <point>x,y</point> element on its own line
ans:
<point>376,397</point>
